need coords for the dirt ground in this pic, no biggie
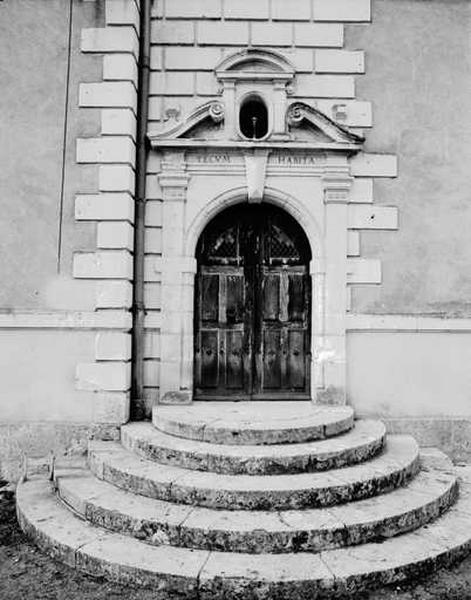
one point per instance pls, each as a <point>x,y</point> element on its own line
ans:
<point>27,574</point>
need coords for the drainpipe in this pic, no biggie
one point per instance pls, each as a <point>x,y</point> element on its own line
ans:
<point>138,308</point>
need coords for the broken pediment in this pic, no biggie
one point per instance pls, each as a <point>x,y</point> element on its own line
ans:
<point>307,123</point>
<point>253,108</point>
<point>300,125</point>
<point>203,123</point>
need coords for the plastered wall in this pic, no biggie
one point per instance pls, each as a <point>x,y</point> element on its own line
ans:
<point>414,373</point>
<point>418,72</point>
<point>49,322</point>
<point>410,373</point>
<point>39,176</point>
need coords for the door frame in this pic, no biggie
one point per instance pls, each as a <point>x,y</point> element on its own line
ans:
<point>254,319</point>
<point>321,210</point>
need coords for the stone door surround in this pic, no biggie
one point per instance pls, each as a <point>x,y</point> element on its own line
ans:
<point>301,165</point>
<point>326,229</point>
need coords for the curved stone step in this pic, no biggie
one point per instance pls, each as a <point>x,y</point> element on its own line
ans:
<point>430,493</point>
<point>394,467</point>
<point>361,443</point>
<point>191,574</point>
<point>253,423</point>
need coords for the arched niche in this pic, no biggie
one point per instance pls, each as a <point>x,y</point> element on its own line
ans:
<point>255,74</point>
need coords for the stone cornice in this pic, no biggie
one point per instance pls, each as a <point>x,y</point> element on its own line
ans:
<point>249,144</point>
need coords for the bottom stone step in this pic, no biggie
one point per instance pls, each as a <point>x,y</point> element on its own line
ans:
<point>190,574</point>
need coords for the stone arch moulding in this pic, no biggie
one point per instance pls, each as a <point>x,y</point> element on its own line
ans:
<point>262,73</point>
<point>255,61</point>
<point>238,195</point>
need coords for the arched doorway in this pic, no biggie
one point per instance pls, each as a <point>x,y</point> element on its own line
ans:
<point>252,306</point>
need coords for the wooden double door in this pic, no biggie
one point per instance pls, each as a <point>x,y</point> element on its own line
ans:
<point>252,307</point>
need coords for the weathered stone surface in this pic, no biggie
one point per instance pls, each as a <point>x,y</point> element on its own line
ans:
<point>183,573</point>
<point>257,492</point>
<point>411,555</point>
<point>240,576</point>
<point>50,525</point>
<point>197,534</point>
<point>176,398</point>
<point>158,522</point>
<point>172,572</point>
<point>125,470</point>
<point>361,443</point>
<point>248,423</point>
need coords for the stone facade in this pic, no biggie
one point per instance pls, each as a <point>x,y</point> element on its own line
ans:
<point>391,311</point>
<point>193,60</point>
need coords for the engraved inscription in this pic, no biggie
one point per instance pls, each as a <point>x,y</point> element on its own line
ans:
<point>214,159</point>
<point>290,159</point>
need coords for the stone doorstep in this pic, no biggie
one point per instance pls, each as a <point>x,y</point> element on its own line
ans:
<point>394,467</point>
<point>252,423</point>
<point>217,575</point>
<point>157,522</point>
<point>361,443</point>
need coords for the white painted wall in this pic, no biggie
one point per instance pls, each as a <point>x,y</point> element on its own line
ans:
<point>409,374</point>
<point>37,371</point>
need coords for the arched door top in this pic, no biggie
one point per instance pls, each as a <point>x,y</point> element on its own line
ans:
<point>237,197</point>
<point>229,238</point>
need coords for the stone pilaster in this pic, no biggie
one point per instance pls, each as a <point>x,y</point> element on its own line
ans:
<point>177,280</point>
<point>331,351</point>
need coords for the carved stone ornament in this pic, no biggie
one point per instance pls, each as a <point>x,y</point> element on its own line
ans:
<point>255,172</point>
<point>300,113</point>
<point>304,126</point>
<point>212,111</point>
<point>253,64</point>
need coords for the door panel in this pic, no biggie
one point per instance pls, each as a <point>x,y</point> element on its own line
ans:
<point>209,297</point>
<point>284,296</point>
<point>235,299</point>
<point>252,311</point>
<point>285,326</point>
<point>296,359</point>
<point>296,297</point>
<point>235,362</point>
<point>271,360</point>
<point>271,297</point>
<point>219,353</point>
<point>209,358</point>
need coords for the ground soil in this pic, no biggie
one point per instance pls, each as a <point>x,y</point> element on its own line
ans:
<point>27,574</point>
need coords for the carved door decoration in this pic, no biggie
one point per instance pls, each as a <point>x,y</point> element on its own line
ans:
<point>252,314</point>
